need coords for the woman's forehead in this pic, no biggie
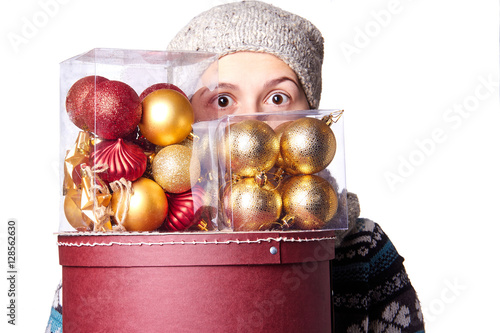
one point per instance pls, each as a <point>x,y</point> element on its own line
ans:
<point>244,66</point>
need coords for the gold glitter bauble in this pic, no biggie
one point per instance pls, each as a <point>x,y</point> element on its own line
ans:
<point>308,146</point>
<point>310,200</point>
<point>279,133</point>
<point>147,207</point>
<point>250,207</point>
<point>201,147</point>
<point>250,147</point>
<point>167,117</point>
<point>175,168</point>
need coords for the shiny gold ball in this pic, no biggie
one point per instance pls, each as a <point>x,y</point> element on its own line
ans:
<point>250,147</point>
<point>308,146</point>
<point>250,207</point>
<point>175,168</point>
<point>147,207</point>
<point>167,117</point>
<point>310,200</point>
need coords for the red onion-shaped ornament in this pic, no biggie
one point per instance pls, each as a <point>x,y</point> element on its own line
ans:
<point>123,159</point>
<point>184,209</point>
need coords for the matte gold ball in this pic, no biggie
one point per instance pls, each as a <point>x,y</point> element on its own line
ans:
<point>310,200</point>
<point>250,207</point>
<point>307,146</point>
<point>176,169</point>
<point>250,146</point>
<point>167,117</point>
<point>147,209</point>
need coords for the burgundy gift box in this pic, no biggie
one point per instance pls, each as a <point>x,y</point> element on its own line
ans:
<point>197,282</point>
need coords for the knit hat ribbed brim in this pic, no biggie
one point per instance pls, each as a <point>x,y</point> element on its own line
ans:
<point>259,27</point>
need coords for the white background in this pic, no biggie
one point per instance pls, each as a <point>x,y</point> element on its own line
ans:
<point>401,69</point>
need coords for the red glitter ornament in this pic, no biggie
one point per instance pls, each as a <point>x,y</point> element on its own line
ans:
<point>123,159</point>
<point>112,110</point>
<point>185,209</point>
<point>76,95</point>
<point>157,86</point>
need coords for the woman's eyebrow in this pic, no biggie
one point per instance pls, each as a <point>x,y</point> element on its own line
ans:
<point>222,85</point>
<point>228,86</point>
<point>274,82</point>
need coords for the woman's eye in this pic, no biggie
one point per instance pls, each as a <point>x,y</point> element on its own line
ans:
<point>278,99</point>
<point>224,101</point>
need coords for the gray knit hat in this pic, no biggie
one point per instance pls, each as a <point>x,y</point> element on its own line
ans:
<point>259,27</point>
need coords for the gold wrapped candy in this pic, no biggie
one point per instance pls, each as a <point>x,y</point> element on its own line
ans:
<point>95,199</point>
<point>86,205</point>
<point>78,154</point>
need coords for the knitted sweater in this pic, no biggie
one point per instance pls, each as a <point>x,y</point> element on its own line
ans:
<point>371,290</point>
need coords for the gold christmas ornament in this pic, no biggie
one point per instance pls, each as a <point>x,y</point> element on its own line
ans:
<point>167,117</point>
<point>175,168</point>
<point>310,200</point>
<point>250,146</point>
<point>308,146</point>
<point>141,207</point>
<point>250,207</point>
<point>279,133</point>
<point>201,147</point>
<point>73,212</point>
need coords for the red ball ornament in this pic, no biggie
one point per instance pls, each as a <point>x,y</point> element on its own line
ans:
<point>112,110</point>
<point>123,159</point>
<point>77,94</point>
<point>184,209</point>
<point>158,86</point>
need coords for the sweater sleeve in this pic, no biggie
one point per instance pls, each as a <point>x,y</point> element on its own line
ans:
<point>55,320</point>
<point>371,289</point>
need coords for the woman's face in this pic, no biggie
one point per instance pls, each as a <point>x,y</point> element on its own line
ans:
<point>248,82</point>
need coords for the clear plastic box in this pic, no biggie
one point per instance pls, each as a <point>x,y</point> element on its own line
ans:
<point>282,171</point>
<point>137,157</point>
<point>110,102</point>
